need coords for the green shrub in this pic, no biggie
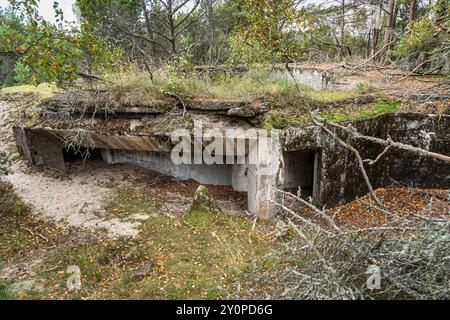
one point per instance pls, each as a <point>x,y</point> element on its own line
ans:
<point>22,74</point>
<point>362,88</point>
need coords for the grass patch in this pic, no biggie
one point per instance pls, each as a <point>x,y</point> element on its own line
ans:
<point>43,90</point>
<point>18,227</point>
<point>128,201</point>
<point>354,113</point>
<point>196,256</point>
<point>330,96</point>
<point>168,83</point>
<point>20,235</point>
<point>277,119</point>
<point>10,203</point>
<point>5,292</point>
<point>255,84</point>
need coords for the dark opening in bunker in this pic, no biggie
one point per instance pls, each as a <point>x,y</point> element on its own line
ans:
<point>71,155</point>
<point>299,169</point>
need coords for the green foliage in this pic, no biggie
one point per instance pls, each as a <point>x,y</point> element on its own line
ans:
<point>53,54</point>
<point>5,163</point>
<point>363,88</point>
<point>428,39</point>
<point>276,120</point>
<point>268,32</point>
<point>419,39</point>
<point>5,292</point>
<point>22,74</point>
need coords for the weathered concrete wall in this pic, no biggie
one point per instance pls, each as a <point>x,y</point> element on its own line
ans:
<point>22,143</point>
<point>264,175</point>
<point>40,148</point>
<point>239,177</point>
<point>315,79</point>
<point>218,174</point>
<point>339,179</point>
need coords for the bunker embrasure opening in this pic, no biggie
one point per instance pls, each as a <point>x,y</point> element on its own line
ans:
<point>299,172</point>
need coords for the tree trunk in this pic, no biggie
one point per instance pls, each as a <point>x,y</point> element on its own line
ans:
<point>171,25</point>
<point>375,25</point>
<point>412,11</point>
<point>395,14</point>
<point>389,31</point>
<point>150,34</point>
<point>341,51</point>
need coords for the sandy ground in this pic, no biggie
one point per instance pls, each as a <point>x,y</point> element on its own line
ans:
<point>76,199</point>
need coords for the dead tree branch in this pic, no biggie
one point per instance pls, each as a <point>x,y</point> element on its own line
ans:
<point>388,142</point>
<point>358,158</point>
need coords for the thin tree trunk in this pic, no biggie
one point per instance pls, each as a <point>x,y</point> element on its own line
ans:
<point>374,30</point>
<point>412,11</point>
<point>395,14</point>
<point>389,31</point>
<point>342,29</point>
<point>150,34</point>
<point>171,25</point>
<point>374,41</point>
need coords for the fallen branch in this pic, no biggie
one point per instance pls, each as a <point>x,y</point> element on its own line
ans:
<point>372,162</point>
<point>357,155</point>
<point>398,145</point>
<point>374,56</point>
<point>36,234</point>
<point>313,207</point>
<point>295,215</point>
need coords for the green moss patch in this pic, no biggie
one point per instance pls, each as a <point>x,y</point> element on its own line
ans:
<point>355,113</point>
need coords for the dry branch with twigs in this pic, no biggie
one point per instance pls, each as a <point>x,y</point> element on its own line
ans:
<point>322,260</point>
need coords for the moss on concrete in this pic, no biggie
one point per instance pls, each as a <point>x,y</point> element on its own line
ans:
<point>277,119</point>
<point>354,113</point>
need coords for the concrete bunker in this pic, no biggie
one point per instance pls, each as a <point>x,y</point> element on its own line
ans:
<point>304,156</point>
